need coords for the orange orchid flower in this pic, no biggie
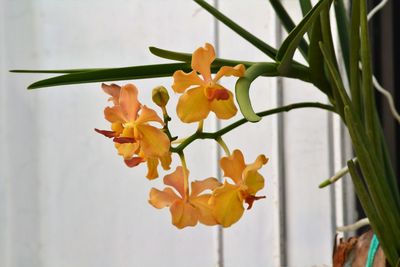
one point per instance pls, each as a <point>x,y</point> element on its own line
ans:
<point>227,200</point>
<point>135,139</point>
<point>202,95</point>
<point>186,210</point>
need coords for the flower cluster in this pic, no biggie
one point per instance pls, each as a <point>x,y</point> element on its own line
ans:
<point>137,140</point>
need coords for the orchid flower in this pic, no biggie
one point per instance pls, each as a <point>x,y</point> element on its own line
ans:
<point>135,139</point>
<point>227,200</point>
<point>203,94</point>
<point>186,210</point>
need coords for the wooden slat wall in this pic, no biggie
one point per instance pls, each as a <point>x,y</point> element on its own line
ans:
<point>66,197</point>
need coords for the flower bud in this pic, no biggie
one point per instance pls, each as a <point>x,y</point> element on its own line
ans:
<point>160,96</point>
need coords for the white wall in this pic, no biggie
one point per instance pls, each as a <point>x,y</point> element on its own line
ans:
<point>67,199</point>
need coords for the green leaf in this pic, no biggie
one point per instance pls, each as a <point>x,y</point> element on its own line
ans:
<point>339,91</point>
<point>289,46</point>
<point>375,180</point>
<point>317,68</point>
<point>261,45</point>
<point>116,74</point>
<point>356,96</point>
<point>376,222</point>
<point>289,25</point>
<point>56,71</point>
<point>367,87</point>
<point>186,57</point>
<point>342,23</point>
<point>305,6</point>
<point>242,87</point>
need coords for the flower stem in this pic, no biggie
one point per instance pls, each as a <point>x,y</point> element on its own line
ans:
<point>217,134</point>
<point>185,175</point>
<point>223,145</point>
<point>200,127</point>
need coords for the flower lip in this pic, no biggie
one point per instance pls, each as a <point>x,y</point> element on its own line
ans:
<point>109,134</point>
<point>124,140</point>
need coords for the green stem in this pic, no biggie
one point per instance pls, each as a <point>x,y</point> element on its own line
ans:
<point>219,133</point>
<point>223,145</point>
<point>200,126</point>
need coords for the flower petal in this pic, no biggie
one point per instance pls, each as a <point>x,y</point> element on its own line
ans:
<point>175,180</point>
<point>166,161</point>
<point>161,199</point>
<point>148,114</point>
<point>183,81</point>
<point>113,90</point>
<point>133,162</point>
<point>153,141</point>
<point>183,214</point>
<point>152,164</point>
<point>224,109</point>
<point>193,105</point>
<point>202,59</point>
<point>129,102</point>
<point>237,71</point>
<point>252,178</point>
<point>109,134</point>
<point>217,92</point>
<point>199,186</point>
<point>127,150</point>
<point>114,114</point>
<point>204,209</point>
<point>233,166</point>
<point>227,204</point>
<point>117,127</point>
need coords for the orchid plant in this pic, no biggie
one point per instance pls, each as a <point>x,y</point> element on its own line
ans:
<point>209,201</point>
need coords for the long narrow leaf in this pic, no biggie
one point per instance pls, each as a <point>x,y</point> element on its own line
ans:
<point>342,22</point>
<point>315,56</point>
<point>187,57</point>
<point>289,46</point>
<point>297,71</point>
<point>261,45</point>
<point>57,71</point>
<point>340,94</point>
<point>117,74</point>
<point>289,25</point>
<point>376,222</point>
<point>368,90</point>
<point>356,96</point>
<point>305,8</point>
<point>377,185</point>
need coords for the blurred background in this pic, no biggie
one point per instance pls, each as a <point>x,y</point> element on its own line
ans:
<point>67,198</point>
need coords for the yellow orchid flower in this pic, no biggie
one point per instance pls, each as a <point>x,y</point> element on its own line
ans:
<point>202,95</point>
<point>186,210</point>
<point>135,139</point>
<point>227,200</point>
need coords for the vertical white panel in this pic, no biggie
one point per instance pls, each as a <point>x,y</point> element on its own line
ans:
<point>307,161</point>
<point>250,242</point>
<point>18,142</point>
<point>3,181</point>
